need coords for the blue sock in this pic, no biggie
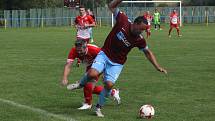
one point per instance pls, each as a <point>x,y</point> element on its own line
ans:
<point>103,95</point>
<point>84,79</point>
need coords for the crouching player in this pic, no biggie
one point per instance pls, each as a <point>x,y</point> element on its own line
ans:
<point>86,53</point>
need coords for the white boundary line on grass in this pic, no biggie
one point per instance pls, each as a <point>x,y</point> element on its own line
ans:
<point>37,110</point>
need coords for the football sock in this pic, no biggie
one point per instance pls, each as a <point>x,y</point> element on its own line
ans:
<point>88,89</point>
<point>103,95</point>
<point>84,79</point>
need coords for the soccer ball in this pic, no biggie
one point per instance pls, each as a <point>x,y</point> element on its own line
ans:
<point>146,111</point>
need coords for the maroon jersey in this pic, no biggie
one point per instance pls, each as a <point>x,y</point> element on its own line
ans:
<point>120,41</point>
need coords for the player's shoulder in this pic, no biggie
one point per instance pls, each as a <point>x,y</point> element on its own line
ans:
<point>92,46</point>
<point>73,49</point>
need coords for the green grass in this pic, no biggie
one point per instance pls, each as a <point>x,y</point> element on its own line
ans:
<point>31,66</point>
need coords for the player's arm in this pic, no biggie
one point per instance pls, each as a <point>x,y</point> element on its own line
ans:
<point>151,57</point>
<point>112,5</point>
<point>67,69</point>
<point>92,22</point>
<point>67,66</point>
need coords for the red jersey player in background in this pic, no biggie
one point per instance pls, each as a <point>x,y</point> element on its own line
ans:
<point>148,17</point>
<point>174,22</point>
<point>89,12</point>
<point>83,23</point>
<point>86,53</point>
<point>123,37</point>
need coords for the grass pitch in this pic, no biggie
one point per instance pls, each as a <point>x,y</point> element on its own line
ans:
<point>31,66</point>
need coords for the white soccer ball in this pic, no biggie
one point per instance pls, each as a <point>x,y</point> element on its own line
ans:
<point>146,111</point>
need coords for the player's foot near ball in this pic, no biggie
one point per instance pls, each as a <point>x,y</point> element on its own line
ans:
<point>180,35</point>
<point>169,36</point>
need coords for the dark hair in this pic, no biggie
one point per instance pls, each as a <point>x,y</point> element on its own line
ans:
<point>81,43</point>
<point>81,6</point>
<point>140,19</point>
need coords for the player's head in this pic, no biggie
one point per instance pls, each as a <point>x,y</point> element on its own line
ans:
<point>89,12</point>
<point>174,10</point>
<point>140,24</point>
<point>81,47</point>
<point>147,12</point>
<point>156,10</point>
<point>82,10</point>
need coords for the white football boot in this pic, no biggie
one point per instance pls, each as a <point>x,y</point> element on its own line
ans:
<point>115,95</point>
<point>98,112</point>
<point>85,106</point>
<point>73,86</point>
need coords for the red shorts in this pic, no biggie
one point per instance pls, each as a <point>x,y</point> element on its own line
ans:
<point>148,27</point>
<point>173,25</point>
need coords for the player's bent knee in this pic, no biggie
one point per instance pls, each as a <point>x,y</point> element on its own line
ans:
<point>93,73</point>
<point>109,85</point>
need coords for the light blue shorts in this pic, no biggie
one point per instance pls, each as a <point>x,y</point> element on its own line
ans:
<point>110,69</point>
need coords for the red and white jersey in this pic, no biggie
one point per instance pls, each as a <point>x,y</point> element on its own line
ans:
<point>148,17</point>
<point>174,18</point>
<point>92,51</point>
<point>81,21</point>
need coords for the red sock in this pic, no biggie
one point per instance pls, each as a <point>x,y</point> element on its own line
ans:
<point>97,89</point>
<point>178,31</point>
<point>88,90</point>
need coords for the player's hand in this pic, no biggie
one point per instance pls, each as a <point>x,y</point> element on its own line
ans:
<point>162,70</point>
<point>64,82</point>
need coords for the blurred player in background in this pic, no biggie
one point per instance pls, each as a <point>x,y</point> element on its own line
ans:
<point>86,53</point>
<point>156,17</point>
<point>148,17</point>
<point>83,23</point>
<point>174,22</point>
<point>89,12</point>
<point>124,36</point>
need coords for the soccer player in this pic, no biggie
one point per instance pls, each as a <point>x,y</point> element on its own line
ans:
<point>89,12</point>
<point>123,37</point>
<point>86,53</point>
<point>83,23</point>
<point>156,17</point>
<point>148,17</point>
<point>174,22</point>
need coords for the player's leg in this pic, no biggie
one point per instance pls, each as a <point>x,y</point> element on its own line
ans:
<point>114,93</point>
<point>155,23</point>
<point>170,30</point>
<point>93,73</point>
<point>91,34</point>
<point>111,74</point>
<point>159,25</point>
<point>178,31</point>
<point>88,91</point>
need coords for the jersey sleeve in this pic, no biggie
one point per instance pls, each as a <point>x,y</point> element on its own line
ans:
<point>76,20</point>
<point>91,20</point>
<point>72,55</point>
<point>93,49</point>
